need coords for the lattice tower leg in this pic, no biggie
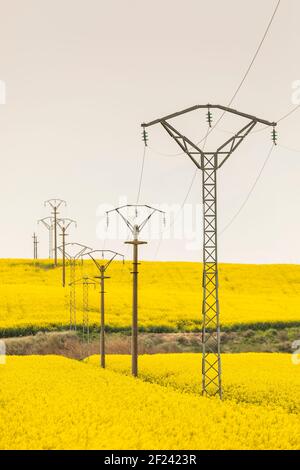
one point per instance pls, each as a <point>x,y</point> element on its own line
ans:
<point>211,354</point>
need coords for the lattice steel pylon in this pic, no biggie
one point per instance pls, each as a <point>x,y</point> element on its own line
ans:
<point>86,283</point>
<point>209,163</point>
<point>73,251</point>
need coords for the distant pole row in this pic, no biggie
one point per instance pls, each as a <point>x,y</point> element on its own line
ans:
<point>52,224</point>
<point>73,251</point>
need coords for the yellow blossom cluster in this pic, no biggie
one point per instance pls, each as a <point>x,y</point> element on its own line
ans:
<point>50,402</point>
<point>31,296</point>
<point>271,380</point>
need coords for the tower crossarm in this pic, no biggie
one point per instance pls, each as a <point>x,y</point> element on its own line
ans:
<point>225,109</point>
<point>226,149</point>
<point>186,145</point>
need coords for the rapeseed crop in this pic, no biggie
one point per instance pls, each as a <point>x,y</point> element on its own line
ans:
<point>50,402</point>
<point>31,298</point>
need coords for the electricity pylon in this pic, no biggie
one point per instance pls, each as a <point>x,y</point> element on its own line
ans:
<point>55,204</point>
<point>135,230</point>
<point>48,222</point>
<point>86,283</point>
<point>73,251</point>
<point>64,224</point>
<point>102,266</point>
<point>35,245</point>
<point>209,163</point>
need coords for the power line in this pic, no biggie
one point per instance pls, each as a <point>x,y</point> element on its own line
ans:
<point>184,200</point>
<point>249,67</point>
<point>288,148</point>
<point>245,76</point>
<point>289,113</point>
<point>256,53</point>
<point>249,193</point>
<point>141,175</point>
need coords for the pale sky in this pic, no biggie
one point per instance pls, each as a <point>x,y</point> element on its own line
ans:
<point>81,75</point>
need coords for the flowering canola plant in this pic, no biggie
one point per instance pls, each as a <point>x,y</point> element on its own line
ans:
<point>31,297</point>
<point>50,402</point>
<point>271,380</point>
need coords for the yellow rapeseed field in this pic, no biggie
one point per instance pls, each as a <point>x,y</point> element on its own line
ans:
<point>170,295</point>
<point>268,379</point>
<point>50,402</point>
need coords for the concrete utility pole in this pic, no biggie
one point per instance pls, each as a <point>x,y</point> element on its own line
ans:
<point>135,230</point>
<point>64,224</point>
<point>48,222</point>
<point>55,204</point>
<point>107,258</point>
<point>35,244</point>
<point>73,251</point>
<point>209,163</point>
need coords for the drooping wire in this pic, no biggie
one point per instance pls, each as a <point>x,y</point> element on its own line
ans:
<point>244,76</point>
<point>141,175</point>
<point>256,53</point>
<point>183,202</point>
<point>289,113</point>
<point>285,116</point>
<point>226,227</point>
<point>249,67</point>
<point>288,148</point>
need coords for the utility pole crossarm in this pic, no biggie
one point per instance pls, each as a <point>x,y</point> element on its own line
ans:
<point>113,255</point>
<point>80,252</point>
<point>64,223</point>
<point>192,150</point>
<point>209,106</point>
<point>55,203</point>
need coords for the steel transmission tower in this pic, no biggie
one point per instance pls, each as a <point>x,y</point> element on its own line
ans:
<point>209,163</point>
<point>107,257</point>
<point>55,204</point>
<point>64,224</point>
<point>73,251</point>
<point>86,282</point>
<point>48,222</point>
<point>135,230</point>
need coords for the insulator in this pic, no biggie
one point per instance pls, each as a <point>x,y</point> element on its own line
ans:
<point>209,117</point>
<point>274,136</point>
<point>145,137</point>
<point>164,220</point>
<point>136,212</point>
<point>102,254</point>
<point>107,220</point>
